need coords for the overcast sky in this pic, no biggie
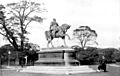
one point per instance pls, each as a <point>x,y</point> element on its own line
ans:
<point>101,15</point>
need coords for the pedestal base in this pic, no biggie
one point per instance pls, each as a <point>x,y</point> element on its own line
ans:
<point>66,59</point>
<point>58,69</point>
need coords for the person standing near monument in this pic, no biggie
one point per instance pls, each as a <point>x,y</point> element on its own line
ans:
<point>53,27</point>
<point>102,65</point>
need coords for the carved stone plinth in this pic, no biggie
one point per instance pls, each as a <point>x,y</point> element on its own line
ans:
<point>64,51</point>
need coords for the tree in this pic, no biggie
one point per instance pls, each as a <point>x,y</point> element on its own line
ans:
<point>85,34</point>
<point>18,17</point>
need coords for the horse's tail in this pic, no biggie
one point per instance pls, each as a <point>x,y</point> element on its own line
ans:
<point>47,34</point>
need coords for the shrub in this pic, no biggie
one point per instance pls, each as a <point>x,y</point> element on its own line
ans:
<point>117,56</point>
<point>92,55</point>
<point>88,56</point>
<point>108,53</point>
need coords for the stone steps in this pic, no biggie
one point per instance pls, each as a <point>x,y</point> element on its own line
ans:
<point>57,69</point>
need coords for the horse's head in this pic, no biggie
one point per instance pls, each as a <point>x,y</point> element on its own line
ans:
<point>65,27</point>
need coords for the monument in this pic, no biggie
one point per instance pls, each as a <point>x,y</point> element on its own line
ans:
<point>54,55</point>
<point>57,31</point>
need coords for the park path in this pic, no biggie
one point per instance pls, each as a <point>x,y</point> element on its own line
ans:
<point>114,65</point>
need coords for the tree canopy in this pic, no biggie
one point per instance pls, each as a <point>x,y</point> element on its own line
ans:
<point>85,34</point>
<point>15,20</point>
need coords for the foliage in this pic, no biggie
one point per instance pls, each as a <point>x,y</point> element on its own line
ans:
<point>117,56</point>
<point>18,54</point>
<point>32,46</point>
<point>92,55</point>
<point>18,17</point>
<point>88,56</point>
<point>109,54</point>
<point>29,49</point>
<point>4,53</point>
<point>5,48</point>
<point>85,34</point>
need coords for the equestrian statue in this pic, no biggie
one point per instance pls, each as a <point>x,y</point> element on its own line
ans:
<point>57,31</point>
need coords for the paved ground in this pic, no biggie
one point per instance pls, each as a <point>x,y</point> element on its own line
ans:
<point>58,69</point>
<point>113,70</point>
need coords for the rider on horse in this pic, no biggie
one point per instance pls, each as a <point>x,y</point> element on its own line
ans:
<point>54,27</point>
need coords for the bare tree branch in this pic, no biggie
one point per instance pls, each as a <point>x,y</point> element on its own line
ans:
<point>28,13</point>
<point>14,14</point>
<point>27,24</point>
<point>2,34</point>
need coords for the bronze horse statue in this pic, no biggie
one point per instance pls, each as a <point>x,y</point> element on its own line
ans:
<point>60,33</point>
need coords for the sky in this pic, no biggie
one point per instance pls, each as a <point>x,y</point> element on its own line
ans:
<point>103,16</point>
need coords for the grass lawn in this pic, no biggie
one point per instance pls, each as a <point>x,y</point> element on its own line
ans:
<point>112,71</point>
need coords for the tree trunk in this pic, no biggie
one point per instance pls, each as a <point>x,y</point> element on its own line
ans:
<point>22,35</point>
<point>10,37</point>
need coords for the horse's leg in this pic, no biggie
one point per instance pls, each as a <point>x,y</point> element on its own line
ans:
<point>64,39</point>
<point>48,44</point>
<point>52,43</point>
<point>67,36</point>
<point>65,42</point>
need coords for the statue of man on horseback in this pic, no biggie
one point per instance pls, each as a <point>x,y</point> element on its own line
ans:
<point>54,27</point>
<point>56,31</point>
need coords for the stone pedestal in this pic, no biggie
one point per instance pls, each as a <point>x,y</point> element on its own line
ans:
<point>66,59</point>
<point>65,51</point>
<point>39,56</point>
